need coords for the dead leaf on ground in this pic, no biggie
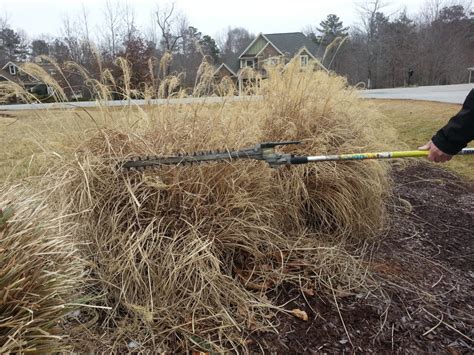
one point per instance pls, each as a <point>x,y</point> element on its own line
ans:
<point>300,314</point>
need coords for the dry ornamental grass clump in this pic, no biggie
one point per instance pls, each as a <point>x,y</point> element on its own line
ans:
<point>344,201</point>
<point>188,257</point>
<point>39,273</point>
<point>185,255</point>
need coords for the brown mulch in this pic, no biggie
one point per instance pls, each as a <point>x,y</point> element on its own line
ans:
<point>425,269</point>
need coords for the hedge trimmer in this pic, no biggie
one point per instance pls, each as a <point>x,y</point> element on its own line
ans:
<point>267,153</point>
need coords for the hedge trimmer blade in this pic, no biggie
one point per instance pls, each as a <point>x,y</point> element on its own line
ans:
<point>266,152</point>
<point>262,151</point>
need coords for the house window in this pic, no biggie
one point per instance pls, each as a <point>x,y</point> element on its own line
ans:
<point>273,60</point>
<point>244,63</point>
<point>12,69</point>
<point>304,60</point>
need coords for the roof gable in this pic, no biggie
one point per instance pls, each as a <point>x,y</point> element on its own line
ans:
<point>305,51</point>
<point>287,44</point>
<point>255,46</point>
<point>8,77</point>
<point>225,66</point>
<point>11,63</point>
<point>19,69</point>
<point>291,43</point>
<point>268,45</point>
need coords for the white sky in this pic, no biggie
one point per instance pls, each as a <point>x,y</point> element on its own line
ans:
<point>211,17</point>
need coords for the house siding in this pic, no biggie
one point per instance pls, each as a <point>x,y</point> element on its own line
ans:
<point>269,52</point>
<point>223,72</point>
<point>256,47</point>
<point>21,77</point>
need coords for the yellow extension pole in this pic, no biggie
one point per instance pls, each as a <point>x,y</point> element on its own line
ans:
<point>379,155</point>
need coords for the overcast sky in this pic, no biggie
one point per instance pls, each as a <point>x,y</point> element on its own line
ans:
<point>209,16</point>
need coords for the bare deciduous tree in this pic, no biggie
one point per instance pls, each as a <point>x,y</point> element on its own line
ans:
<point>233,41</point>
<point>4,19</point>
<point>368,11</point>
<point>71,37</point>
<point>130,27</point>
<point>172,26</point>
<point>389,50</point>
<point>113,24</point>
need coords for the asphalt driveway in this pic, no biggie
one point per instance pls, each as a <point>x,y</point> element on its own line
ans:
<point>442,93</point>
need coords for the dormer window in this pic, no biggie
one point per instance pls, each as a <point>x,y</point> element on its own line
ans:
<point>304,60</point>
<point>12,69</point>
<point>244,63</point>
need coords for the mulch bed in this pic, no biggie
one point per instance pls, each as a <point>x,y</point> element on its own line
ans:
<point>425,268</point>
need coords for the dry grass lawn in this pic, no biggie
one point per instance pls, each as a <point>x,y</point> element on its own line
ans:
<point>23,134</point>
<point>417,121</point>
<point>228,222</point>
<point>28,137</point>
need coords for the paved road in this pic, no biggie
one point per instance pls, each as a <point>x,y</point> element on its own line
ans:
<point>189,100</point>
<point>444,93</point>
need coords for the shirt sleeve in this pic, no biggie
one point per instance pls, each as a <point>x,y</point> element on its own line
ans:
<point>459,131</point>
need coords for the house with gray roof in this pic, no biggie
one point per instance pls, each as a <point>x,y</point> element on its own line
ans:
<point>272,48</point>
<point>14,72</point>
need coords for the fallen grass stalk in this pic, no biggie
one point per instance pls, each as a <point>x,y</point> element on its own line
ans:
<point>449,326</point>
<point>341,318</point>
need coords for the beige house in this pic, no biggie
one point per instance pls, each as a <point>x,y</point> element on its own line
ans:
<point>273,48</point>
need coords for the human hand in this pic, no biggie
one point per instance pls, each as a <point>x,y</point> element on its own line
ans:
<point>435,154</point>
